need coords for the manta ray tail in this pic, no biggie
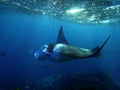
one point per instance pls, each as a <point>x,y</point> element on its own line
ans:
<point>96,51</point>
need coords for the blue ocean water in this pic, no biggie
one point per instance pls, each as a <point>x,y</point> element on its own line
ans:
<point>22,34</point>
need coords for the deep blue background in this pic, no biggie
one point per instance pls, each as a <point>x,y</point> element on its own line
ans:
<point>21,35</point>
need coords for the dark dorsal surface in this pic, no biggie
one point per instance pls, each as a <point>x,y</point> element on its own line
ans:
<point>50,47</point>
<point>61,38</point>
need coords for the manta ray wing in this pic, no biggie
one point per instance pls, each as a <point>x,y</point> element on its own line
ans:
<point>97,50</point>
<point>61,38</point>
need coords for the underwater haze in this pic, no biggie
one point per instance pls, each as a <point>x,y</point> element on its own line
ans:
<point>22,32</point>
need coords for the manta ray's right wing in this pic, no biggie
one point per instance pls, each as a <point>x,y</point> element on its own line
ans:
<point>61,38</point>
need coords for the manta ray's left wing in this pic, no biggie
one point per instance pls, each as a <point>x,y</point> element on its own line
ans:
<point>96,51</point>
<point>61,38</point>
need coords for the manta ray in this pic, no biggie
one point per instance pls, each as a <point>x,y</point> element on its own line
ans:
<point>62,51</point>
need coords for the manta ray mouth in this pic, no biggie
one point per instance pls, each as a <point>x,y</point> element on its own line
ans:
<point>38,52</point>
